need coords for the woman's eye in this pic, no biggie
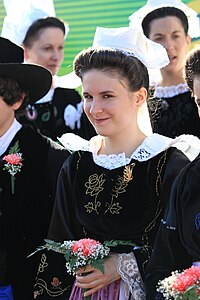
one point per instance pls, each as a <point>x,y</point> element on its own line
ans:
<point>87,97</point>
<point>107,96</point>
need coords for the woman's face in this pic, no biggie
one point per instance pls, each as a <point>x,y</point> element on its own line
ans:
<point>47,50</point>
<point>108,103</point>
<point>196,89</point>
<point>169,32</point>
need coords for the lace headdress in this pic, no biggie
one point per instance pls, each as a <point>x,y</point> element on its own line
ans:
<point>132,42</point>
<point>193,19</point>
<point>20,14</point>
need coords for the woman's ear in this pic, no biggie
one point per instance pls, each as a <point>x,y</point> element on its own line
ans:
<point>141,96</point>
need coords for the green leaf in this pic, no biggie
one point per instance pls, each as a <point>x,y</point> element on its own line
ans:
<point>15,148</point>
<point>98,264</point>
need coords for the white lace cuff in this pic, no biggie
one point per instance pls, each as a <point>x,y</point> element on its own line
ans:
<point>132,282</point>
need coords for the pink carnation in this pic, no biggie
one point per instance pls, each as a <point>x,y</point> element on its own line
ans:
<point>13,159</point>
<point>186,279</point>
<point>87,246</point>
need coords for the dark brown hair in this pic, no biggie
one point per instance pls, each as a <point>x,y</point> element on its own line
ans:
<point>113,61</point>
<point>36,28</point>
<point>192,66</point>
<point>11,92</point>
<point>162,13</point>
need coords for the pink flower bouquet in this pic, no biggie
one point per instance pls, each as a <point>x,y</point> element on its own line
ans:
<point>83,252</point>
<point>185,285</point>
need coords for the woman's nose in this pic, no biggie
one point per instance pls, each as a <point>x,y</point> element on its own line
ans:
<point>56,54</point>
<point>168,44</point>
<point>96,107</point>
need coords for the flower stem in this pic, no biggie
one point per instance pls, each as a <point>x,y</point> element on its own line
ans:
<point>12,184</point>
<point>87,297</point>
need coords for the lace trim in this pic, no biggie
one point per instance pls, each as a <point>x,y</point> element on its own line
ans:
<point>170,91</point>
<point>131,279</point>
<point>150,147</point>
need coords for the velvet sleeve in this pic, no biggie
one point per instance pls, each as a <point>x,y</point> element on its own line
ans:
<point>64,225</point>
<point>188,209</point>
<point>177,242</point>
<point>52,281</point>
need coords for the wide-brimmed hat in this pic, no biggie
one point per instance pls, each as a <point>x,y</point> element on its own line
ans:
<point>32,78</point>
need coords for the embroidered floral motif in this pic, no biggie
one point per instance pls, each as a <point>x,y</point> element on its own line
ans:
<point>197,221</point>
<point>41,286</point>
<point>128,173</point>
<point>120,187</point>
<point>56,282</point>
<point>43,264</point>
<point>95,186</point>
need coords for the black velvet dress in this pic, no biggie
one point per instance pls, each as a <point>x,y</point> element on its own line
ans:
<point>25,215</point>
<point>123,203</point>
<point>48,117</point>
<point>178,242</point>
<point>177,115</point>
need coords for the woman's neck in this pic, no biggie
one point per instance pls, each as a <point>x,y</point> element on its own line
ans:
<point>122,144</point>
<point>170,78</point>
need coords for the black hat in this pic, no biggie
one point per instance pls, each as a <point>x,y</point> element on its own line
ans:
<point>32,78</point>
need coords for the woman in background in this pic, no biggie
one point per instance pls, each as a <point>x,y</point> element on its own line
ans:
<point>61,110</point>
<point>178,240</point>
<point>168,25</point>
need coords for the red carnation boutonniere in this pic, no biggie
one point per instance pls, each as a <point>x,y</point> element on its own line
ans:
<point>13,163</point>
<point>185,285</point>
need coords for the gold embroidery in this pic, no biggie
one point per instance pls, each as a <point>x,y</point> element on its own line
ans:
<point>41,285</point>
<point>120,188</point>
<point>128,173</point>
<point>43,264</point>
<point>160,166</point>
<point>77,163</point>
<point>95,186</point>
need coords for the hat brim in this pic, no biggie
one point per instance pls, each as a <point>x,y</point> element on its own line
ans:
<point>31,78</point>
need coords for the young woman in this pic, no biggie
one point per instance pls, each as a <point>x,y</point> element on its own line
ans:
<point>61,110</point>
<point>178,240</point>
<point>116,185</point>
<point>168,25</point>
<point>29,166</point>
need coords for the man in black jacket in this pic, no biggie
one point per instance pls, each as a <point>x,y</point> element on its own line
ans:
<point>29,166</point>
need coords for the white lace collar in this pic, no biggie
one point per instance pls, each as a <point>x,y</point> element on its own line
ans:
<point>170,91</point>
<point>150,147</point>
<point>6,139</point>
